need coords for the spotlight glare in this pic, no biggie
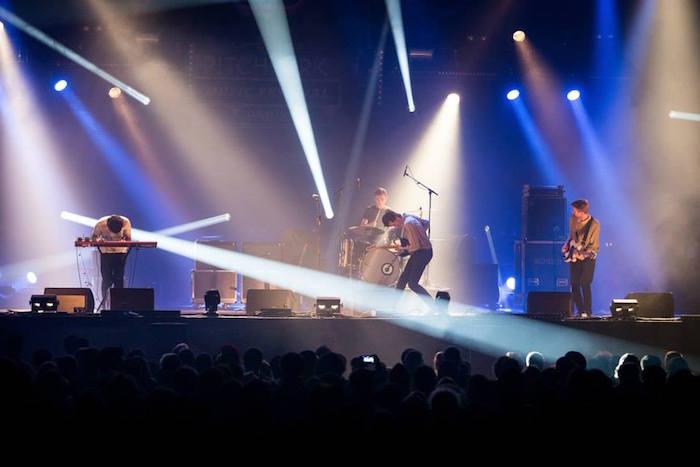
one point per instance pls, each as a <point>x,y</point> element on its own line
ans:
<point>60,85</point>
<point>684,115</point>
<point>573,95</point>
<point>453,98</point>
<point>519,36</point>
<point>31,277</point>
<point>513,94</point>
<point>114,92</point>
<point>510,283</point>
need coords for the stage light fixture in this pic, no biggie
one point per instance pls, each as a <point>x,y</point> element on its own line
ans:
<point>519,36</point>
<point>624,308</point>
<point>212,299</point>
<point>328,306</point>
<point>513,94</point>
<point>114,92</point>
<point>60,85</point>
<point>453,98</point>
<point>43,303</point>
<point>510,283</point>
<point>31,277</point>
<point>573,95</point>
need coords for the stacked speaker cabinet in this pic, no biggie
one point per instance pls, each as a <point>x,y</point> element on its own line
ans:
<point>543,213</point>
<point>538,260</point>
<point>207,276</point>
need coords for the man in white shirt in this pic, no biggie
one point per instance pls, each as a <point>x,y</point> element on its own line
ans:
<point>413,232</point>
<point>112,259</point>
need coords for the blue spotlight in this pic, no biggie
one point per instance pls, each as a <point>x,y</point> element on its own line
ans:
<point>573,95</point>
<point>513,94</point>
<point>510,283</point>
<point>60,85</point>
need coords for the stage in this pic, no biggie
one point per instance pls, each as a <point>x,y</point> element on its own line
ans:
<point>481,336</point>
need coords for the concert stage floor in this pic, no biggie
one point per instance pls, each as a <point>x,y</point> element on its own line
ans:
<point>386,337</point>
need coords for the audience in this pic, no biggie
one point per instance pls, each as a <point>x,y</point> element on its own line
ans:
<point>317,390</point>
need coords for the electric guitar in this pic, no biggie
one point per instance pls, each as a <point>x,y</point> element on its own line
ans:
<point>394,248</point>
<point>570,253</point>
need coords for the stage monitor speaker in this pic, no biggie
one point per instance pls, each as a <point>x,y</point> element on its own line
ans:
<point>262,299</point>
<point>72,300</point>
<point>227,245</point>
<point>223,281</point>
<point>549,304</point>
<point>131,299</point>
<point>266,250</point>
<point>653,304</point>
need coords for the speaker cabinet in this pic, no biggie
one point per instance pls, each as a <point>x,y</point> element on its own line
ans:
<point>227,245</point>
<point>481,284</point>
<point>540,267</point>
<point>543,213</point>
<point>653,304</point>
<point>555,305</point>
<point>131,299</point>
<point>72,300</point>
<point>262,299</point>
<point>266,250</point>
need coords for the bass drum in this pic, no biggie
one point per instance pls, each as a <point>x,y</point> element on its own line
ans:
<point>380,267</point>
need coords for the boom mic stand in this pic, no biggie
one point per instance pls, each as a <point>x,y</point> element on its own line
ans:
<point>431,192</point>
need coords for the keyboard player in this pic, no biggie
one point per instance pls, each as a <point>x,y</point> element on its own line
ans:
<point>112,259</point>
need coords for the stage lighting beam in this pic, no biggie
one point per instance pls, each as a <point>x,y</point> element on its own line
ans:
<point>693,117</point>
<point>272,22</point>
<point>71,55</point>
<point>393,8</point>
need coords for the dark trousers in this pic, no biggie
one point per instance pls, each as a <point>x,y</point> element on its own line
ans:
<point>414,270</point>
<point>581,279</point>
<point>112,267</point>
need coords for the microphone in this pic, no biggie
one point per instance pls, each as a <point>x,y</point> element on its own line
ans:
<point>315,196</point>
<point>357,182</point>
<point>405,170</point>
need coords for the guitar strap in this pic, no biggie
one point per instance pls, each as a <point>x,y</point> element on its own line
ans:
<point>586,230</point>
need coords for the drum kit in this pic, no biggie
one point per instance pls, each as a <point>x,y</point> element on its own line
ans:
<point>358,260</point>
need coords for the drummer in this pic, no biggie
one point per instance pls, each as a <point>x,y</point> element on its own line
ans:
<point>373,214</point>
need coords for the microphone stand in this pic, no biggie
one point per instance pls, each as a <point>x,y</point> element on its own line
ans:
<point>431,192</point>
<point>317,198</point>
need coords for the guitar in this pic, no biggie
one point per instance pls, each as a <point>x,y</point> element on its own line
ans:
<point>570,253</point>
<point>394,248</point>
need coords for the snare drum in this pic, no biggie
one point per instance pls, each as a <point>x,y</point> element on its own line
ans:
<point>380,267</point>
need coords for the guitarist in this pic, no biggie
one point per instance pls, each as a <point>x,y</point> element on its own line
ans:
<point>583,244</point>
<point>415,242</point>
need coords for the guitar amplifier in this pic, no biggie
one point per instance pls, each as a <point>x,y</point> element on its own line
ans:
<point>266,250</point>
<point>226,282</point>
<point>227,245</point>
<point>541,267</point>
